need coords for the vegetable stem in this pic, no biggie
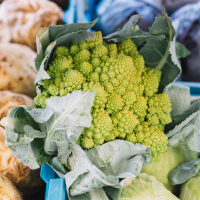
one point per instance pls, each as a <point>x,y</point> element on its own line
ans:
<point>98,194</point>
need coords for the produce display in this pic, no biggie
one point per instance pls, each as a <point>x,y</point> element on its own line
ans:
<point>21,19</point>
<point>17,71</point>
<point>107,109</point>
<point>7,190</point>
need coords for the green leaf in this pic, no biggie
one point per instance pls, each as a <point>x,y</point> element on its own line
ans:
<point>161,55</point>
<point>125,32</point>
<point>184,131</point>
<point>187,133</point>
<point>186,115</point>
<point>37,135</point>
<point>58,31</point>
<point>71,114</point>
<point>184,172</point>
<point>181,50</point>
<point>24,137</point>
<point>47,35</point>
<point>42,41</point>
<point>139,37</point>
<point>110,164</point>
<point>131,30</point>
<point>179,96</point>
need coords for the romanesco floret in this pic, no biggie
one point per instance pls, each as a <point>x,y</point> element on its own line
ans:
<point>114,103</point>
<point>159,109</point>
<point>41,99</point>
<point>139,108</point>
<point>150,136</point>
<point>53,90</point>
<point>98,131</point>
<point>61,51</point>
<point>60,64</point>
<point>81,56</point>
<point>128,48</point>
<point>82,45</point>
<point>112,50</point>
<point>98,40</point>
<point>138,61</point>
<point>73,80</point>
<point>96,62</point>
<point>125,121</point>
<point>74,49</point>
<point>126,105</point>
<point>99,51</point>
<point>155,72</point>
<point>93,77</point>
<point>100,96</point>
<point>129,98</point>
<point>118,72</point>
<point>85,68</point>
<point>151,82</point>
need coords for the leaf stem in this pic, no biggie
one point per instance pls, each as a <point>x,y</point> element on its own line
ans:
<point>98,194</point>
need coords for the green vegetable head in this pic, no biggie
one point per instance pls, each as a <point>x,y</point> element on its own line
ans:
<point>126,92</point>
<point>146,187</point>
<point>190,190</point>
<point>174,157</point>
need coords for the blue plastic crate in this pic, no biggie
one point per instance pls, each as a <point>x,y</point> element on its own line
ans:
<point>55,187</point>
<point>194,87</point>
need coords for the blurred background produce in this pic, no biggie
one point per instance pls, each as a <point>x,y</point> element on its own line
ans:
<point>7,190</point>
<point>10,100</point>
<point>20,19</point>
<point>26,180</point>
<point>17,70</point>
<point>19,22</point>
<point>112,19</point>
<point>186,21</point>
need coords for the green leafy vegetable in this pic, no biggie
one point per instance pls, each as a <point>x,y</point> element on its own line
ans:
<point>174,157</point>
<point>184,172</point>
<point>179,97</point>
<point>184,132</point>
<point>190,190</point>
<point>146,187</point>
<point>35,135</point>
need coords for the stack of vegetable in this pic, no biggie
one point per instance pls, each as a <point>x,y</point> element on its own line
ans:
<point>105,108</point>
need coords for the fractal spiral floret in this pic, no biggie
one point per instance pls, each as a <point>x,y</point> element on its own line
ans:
<point>127,104</point>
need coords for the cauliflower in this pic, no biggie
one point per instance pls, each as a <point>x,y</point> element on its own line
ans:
<point>127,104</point>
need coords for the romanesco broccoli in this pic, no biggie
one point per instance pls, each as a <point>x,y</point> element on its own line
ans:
<point>127,104</point>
